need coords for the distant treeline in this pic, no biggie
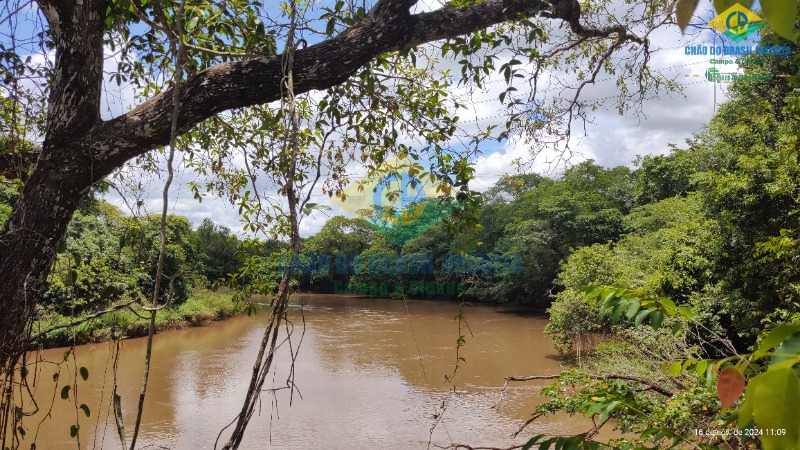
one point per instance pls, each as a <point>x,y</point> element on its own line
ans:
<point>712,225</point>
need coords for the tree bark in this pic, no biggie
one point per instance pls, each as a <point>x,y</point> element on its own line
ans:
<point>80,149</point>
<point>63,171</point>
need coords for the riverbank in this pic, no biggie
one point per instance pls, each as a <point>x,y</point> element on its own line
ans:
<point>203,307</point>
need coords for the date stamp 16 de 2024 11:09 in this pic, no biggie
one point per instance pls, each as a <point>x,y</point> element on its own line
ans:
<point>747,432</point>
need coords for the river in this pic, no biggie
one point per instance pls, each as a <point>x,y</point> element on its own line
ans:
<point>370,374</point>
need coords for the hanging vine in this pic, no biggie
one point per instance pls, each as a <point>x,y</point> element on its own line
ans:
<point>287,161</point>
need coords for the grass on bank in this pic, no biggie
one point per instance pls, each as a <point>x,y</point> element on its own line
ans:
<point>202,307</point>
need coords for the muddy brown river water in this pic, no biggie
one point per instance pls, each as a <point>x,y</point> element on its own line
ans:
<point>370,375</point>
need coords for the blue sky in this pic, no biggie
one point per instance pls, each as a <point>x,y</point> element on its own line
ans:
<point>610,139</point>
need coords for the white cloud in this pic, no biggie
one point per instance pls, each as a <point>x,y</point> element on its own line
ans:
<point>610,139</point>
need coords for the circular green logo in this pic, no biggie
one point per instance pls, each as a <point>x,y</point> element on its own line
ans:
<point>737,22</point>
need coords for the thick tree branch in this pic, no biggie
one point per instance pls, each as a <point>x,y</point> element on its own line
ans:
<point>54,11</point>
<point>74,102</point>
<point>387,27</point>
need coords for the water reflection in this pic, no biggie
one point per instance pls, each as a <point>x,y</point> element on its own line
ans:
<point>370,374</point>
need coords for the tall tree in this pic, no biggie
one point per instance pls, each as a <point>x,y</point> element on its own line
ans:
<point>234,64</point>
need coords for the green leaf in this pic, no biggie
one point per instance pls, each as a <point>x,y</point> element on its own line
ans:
<point>701,367</point>
<point>611,406</point>
<point>84,373</point>
<point>641,316</point>
<point>656,319</point>
<point>592,410</point>
<point>609,303</point>
<point>192,23</point>
<point>781,16</point>
<point>65,392</point>
<point>730,385</point>
<point>618,311</point>
<point>746,409</point>
<point>684,11</point>
<point>633,308</point>
<point>668,306</point>
<point>674,369</point>
<point>72,277</point>
<point>73,430</point>
<point>789,350</point>
<point>775,401</point>
<point>774,338</point>
<point>85,409</point>
<point>528,445</point>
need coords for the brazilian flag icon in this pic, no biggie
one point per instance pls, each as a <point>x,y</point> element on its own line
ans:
<point>737,23</point>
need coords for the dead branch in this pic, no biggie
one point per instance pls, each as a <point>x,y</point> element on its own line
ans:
<point>612,376</point>
<point>75,323</point>
<point>527,422</point>
<point>469,447</point>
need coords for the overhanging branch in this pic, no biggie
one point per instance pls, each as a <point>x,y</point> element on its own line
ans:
<point>649,385</point>
<point>387,27</point>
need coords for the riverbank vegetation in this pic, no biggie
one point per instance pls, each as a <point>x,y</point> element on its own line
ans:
<point>200,308</point>
<point>699,293</point>
<point>108,259</point>
<point>693,258</point>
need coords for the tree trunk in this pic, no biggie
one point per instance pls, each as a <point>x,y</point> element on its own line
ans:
<point>27,250</point>
<point>63,171</point>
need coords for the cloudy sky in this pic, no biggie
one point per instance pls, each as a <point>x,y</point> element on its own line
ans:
<point>610,139</point>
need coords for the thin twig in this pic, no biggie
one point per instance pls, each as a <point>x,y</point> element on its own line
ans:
<point>291,151</point>
<point>469,447</point>
<point>649,385</point>
<point>75,323</point>
<point>177,50</point>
